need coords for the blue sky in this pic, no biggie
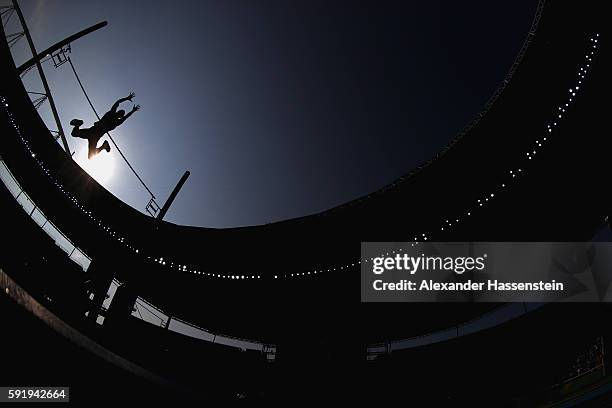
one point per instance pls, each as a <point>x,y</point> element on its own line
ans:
<point>278,109</point>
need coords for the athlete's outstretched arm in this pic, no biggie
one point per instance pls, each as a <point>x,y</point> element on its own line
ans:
<point>134,109</point>
<point>127,98</point>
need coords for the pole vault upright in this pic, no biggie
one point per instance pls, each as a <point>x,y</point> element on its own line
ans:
<point>36,59</point>
<point>172,196</point>
<point>57,46</point>
<point>43,78</point>
<point>152,208</point>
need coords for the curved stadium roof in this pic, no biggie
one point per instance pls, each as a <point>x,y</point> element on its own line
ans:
<point>308,267</point>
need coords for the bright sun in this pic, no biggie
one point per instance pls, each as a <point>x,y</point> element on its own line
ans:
<point>101,167</point>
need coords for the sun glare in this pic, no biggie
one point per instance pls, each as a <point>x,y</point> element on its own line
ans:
<point>101,167</point>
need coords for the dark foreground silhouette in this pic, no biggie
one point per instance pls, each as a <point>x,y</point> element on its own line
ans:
<point>108,122</point>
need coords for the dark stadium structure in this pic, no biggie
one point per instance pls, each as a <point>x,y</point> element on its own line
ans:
<point>291,288</point>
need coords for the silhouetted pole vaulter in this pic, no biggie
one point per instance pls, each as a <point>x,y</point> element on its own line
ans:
<point>173,195</point>
<point>152,208</point>
<point>43,78</point>
<point>152,203</point>
<point>109,121</point>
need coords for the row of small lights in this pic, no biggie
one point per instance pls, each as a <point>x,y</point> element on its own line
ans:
<point>100,224</point>
<point>446,224</point>
<point>538,145</point>
<point>512,174</point>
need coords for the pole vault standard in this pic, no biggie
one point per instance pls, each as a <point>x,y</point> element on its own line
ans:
<point>32,61</point>
<point>152,208</point>
<point>43,78</point>
<point>170,199</point>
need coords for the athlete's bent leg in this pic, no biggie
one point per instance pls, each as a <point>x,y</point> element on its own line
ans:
<point>92,149</point>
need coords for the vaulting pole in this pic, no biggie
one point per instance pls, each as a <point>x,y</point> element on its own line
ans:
<point>43,78</point>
